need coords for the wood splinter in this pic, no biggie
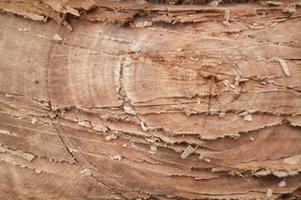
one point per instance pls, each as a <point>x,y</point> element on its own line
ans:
<point>283,65</point>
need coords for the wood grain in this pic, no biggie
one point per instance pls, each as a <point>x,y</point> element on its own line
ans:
<point>106,110</point>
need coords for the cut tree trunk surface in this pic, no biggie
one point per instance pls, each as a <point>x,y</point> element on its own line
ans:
<point>148,100</point>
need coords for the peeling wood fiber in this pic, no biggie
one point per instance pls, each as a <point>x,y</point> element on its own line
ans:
<point>150,99</point>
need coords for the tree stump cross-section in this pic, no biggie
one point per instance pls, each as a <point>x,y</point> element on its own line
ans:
<point>150,99</point>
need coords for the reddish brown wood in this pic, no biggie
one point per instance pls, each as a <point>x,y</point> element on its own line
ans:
<point>149,101</point>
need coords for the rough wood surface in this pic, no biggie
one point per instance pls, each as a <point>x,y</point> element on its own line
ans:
<point>167,102</point>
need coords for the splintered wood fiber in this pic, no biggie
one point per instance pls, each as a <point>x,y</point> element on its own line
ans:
<point>156,99</point>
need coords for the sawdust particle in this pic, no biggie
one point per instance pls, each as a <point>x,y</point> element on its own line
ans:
<point>221,114</point>
<point>248,117</point>
<point>84,123</point>
<point>111,137</point>
<point>100,128</point>
<point>291,160</point>
<point>283,65</point>
<point>282,183</point>
<point>22,29</point>
<point>86,172</point>
<point>9,95</point>
<point>116,157</point>
<point>214,3</point>
<point>269,193</point>
<point>189,150</point>
<point>227,15</point>
<point>128,109</point>
<point>5,132</point>
<point>57,38</point>
<point>34,120</point>
<point>153,149</point>
<point>274,3</point>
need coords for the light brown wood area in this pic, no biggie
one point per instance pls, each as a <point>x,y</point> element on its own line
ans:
<point>150,100</point>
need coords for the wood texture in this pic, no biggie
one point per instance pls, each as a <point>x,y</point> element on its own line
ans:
<point>167,102</point>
